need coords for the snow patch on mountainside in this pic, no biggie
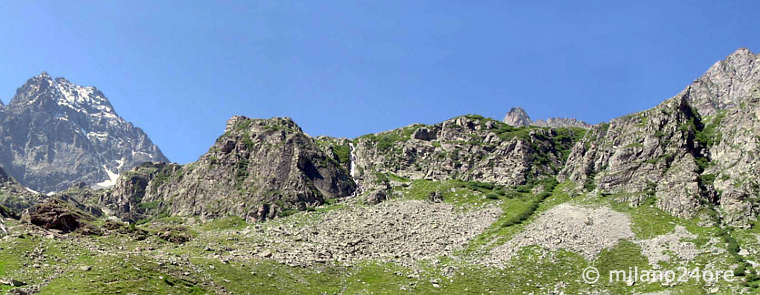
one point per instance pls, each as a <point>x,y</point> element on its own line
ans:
<point>84,99</point>
<point>112,177</point>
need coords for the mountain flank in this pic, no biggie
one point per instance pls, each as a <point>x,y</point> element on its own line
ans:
<point>470,205</point>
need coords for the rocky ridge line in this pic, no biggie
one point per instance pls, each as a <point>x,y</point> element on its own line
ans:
<point>518,117</point>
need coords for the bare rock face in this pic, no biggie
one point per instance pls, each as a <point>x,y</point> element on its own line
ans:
<point>54,134</point>
<point>125,199</point>
<point>424,133</point>
<point>727,96</point>
<point>467,148</point>
<point>735,153</point>
<point>258,169</point>
<point>697,149</point>
<point>517,117</point>
<point>652,152</point>
<point>726,84</point>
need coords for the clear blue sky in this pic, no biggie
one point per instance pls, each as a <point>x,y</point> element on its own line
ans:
<point>345,68</point>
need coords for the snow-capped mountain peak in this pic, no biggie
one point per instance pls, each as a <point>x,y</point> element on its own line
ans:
<point>55,133</point>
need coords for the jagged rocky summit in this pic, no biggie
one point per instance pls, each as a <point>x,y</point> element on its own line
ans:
<point>517,116</point>
<point>54,134</point>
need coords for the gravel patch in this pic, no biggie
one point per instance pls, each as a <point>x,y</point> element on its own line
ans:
<point>586,231</point>
<point>662,248</point>
<point>393,231</point>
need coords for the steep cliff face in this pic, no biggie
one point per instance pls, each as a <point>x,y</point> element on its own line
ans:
<point>54,134</point>
<point>698,149</point>
<point>125,198</point>
<point>467,147</point>
<point>727,95</point>
<point>258,170</point>
<point>734,137</point>
<point>649,153</point>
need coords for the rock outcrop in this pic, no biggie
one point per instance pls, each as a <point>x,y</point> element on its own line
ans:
<point>59,215</point>
<point>517,117</point>
<point>467,148</point>
<point>54,134</point>
<point>258,169</point>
